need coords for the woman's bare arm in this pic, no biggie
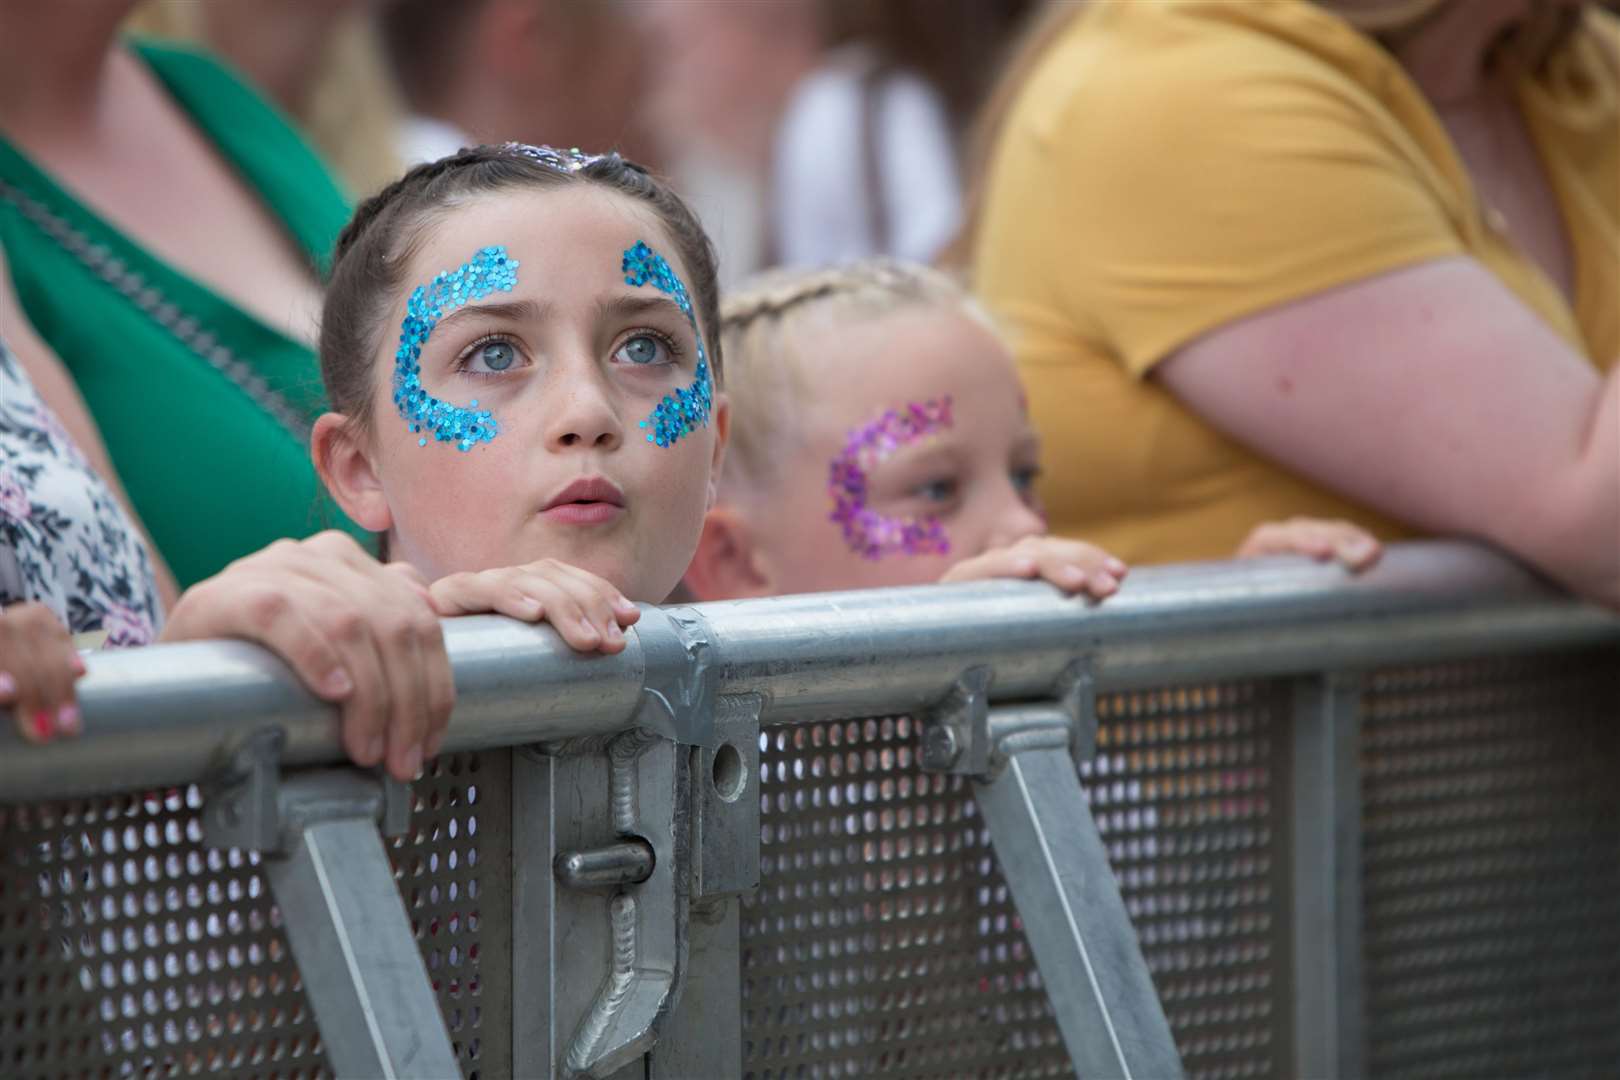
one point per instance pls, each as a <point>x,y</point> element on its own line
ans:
<point>1434,395</point>
<point>57,390</point>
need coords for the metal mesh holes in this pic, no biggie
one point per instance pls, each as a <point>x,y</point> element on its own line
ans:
<point>1491,831</point>
<point>129,949</point>
<point>1182,790</point>
<point>450,873</point>
<point>882,939</point>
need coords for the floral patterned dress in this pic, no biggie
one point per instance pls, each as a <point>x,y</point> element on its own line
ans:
<point>64,539</point>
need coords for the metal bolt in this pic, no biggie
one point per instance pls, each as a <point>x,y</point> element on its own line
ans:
<point>940,747</point>
<point>627,863</point>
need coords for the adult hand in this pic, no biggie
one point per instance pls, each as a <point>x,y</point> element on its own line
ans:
<point>1322,540</point>
<point>586,610</point>
<point>358,633</point>
<point>1072,565</point>
<point>38,667</point>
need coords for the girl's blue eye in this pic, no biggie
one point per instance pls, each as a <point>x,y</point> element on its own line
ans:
<point>1024,478</point>
<point>642,350</point>
<point>936,490</point>
<point>492,356</point>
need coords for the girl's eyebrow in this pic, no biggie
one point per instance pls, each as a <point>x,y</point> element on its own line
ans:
<point>938,447</point>
<point>633,306</point>
<point>612,308</point>
<point>514,311</point>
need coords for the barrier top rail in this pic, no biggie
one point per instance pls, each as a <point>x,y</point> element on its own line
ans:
<point>172,714</point>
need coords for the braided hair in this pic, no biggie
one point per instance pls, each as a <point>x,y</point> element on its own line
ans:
<point>375,248</point>
<point>765,326</point>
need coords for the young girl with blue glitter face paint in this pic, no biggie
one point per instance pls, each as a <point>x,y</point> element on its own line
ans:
<point>516,344</point>
<point>880,438</point>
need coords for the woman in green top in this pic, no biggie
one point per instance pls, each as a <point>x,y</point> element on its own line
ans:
<point>166,230</point>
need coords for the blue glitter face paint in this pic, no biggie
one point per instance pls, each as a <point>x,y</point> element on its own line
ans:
<point>489,270</point>
<point>682,413</point>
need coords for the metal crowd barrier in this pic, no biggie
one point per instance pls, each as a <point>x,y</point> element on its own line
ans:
<point>1257,820</point>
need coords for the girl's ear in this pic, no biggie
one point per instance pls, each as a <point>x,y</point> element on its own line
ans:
<point>727,565</point>
<point>345,467</point>
<point>722,434</point>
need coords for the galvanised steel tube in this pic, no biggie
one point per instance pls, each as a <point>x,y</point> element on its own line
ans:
<point>168,713</point>
<point>165,714</point>
<point>869,653</point>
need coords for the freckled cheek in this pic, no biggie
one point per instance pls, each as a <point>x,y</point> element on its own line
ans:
<point>440,481</point>
<point>675,482</point>
<point>683,481</point>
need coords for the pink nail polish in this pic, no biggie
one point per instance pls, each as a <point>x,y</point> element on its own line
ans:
<point>42,724</point>
<point>8,685</point>
<point>338,683</point>
<point>68,721</point>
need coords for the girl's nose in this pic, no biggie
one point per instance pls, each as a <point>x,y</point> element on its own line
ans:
<point>585,420</point>
<point>1016,519</point>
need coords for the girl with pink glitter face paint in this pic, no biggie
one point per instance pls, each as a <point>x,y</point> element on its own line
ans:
<point>880,437</point>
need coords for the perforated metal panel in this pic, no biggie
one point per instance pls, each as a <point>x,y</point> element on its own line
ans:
<point>883,939</point>
<point>1491,805</point>
<point>454,867</point>
<point>127,948</point>
<point>1184,789</point>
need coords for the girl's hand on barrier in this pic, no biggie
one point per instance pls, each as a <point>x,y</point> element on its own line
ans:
<point>587,611</point>
<point>1322,540</point>
<point>357,633</point>
<point>1072,565</point>
<point>38,667</point>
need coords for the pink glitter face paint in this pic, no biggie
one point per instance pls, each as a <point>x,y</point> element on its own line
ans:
<point>868,533</point>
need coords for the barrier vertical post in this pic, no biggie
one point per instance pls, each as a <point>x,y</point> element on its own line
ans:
<point>1329,1013</point>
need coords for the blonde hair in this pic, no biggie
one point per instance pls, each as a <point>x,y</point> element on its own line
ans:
<point>765,329</point>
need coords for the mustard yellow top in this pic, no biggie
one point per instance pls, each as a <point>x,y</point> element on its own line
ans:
<point>1173,166</point>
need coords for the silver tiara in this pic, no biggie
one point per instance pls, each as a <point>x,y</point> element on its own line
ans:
<point>564,161</point>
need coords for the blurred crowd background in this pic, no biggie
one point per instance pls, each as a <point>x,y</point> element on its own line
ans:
<point>803,131</point>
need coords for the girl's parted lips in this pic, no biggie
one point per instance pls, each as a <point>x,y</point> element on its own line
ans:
<point>590,500</point>
<point>587,489</point>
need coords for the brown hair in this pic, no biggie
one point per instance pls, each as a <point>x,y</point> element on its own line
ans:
<point>372,252</point>
<point>1041,31</point>
<point>764,323</point>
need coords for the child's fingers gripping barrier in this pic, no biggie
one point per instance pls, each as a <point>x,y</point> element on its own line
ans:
<point>38,667</point>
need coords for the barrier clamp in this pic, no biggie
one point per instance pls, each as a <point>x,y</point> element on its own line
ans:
<point>678,686</point>
<point>964,735</point>
<point>246,805</point>
<point>956,732</point>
